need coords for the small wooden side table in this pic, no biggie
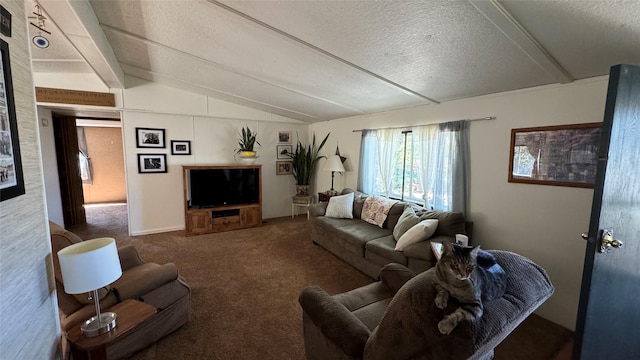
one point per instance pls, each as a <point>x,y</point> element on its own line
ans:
<point>130,313</point>
<point>302,201</point>
<point>324,196</point>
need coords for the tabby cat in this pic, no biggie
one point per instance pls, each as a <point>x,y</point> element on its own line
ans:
<point>469,275</point>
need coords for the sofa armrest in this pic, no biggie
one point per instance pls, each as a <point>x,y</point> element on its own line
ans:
<point>335,321</point>
<point>318,209</point>
<point>395,275</point>
<point>129,257</point>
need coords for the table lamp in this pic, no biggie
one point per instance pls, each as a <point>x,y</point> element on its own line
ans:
<point>86,267</point>
<point>333,164</point>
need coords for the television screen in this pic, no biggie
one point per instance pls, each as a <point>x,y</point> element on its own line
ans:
<point>219,187</point>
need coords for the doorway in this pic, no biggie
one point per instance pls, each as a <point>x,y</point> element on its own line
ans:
<point>90,156</point>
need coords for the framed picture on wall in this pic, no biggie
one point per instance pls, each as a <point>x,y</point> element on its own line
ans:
<point>284,168</point>
<point>11,180</point>
<point>564,155</point>
<point>283,151</point>
<point>152,163</point>
<point>284,137</point>
<point>150,138</point>
<point>180,147</point>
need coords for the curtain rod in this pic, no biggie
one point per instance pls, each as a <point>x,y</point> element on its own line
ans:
<point>408,126</point>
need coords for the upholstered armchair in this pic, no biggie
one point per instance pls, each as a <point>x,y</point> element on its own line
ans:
<point>154,284</point>
<point>396,317</point>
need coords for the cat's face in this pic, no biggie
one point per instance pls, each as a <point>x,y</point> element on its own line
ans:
<point>460,261</point>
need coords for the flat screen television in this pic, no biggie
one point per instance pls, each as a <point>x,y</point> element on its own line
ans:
<point>211,188</point>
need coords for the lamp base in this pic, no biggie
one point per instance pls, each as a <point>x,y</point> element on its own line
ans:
<point>93,327</point>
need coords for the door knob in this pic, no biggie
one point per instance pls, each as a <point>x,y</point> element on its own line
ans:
<point>585,236</point>
<point>608,241</point>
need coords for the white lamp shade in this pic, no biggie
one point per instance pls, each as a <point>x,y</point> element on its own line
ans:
<point>333,163</point>
<point>89,265</point>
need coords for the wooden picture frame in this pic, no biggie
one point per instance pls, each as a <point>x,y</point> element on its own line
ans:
<point>283,151</point>
<point>563,155</point>
<point>11,177</point>
<point>152,163</point>
<point>150,138</point>
<point>180,147</point>
<point>284,137</point>
<point>284,168</point>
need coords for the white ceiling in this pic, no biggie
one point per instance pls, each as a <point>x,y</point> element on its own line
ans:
<point>322,60</point>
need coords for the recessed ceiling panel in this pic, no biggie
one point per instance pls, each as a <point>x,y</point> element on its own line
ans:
<point>166,62</point>
<point>586,37</point>
<point>236,44</point>
<point>442,49</point>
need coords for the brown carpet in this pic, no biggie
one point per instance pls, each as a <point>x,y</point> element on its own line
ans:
<point>245,286</point>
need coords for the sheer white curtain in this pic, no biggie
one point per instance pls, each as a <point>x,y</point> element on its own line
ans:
<point>377,160</point>
<point>83,158</point>
<point>368,169</point>
<point>388,140</point>
<point>444,159</point>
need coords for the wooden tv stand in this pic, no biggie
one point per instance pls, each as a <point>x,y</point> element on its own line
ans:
<point>221,218</point>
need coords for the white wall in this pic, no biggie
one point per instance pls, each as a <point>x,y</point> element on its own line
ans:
<point>543,223</point>
<point>28,306</point>
<point>50,166</point>
<point>156,201</point>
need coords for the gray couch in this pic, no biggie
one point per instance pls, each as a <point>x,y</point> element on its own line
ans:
<point>368,247</point>
<point>396,318</point>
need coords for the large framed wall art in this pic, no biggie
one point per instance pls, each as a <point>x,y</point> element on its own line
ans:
<point>564,155</point>
<point>11,179</point>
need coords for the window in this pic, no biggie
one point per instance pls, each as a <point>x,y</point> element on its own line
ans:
<point>426,164</point>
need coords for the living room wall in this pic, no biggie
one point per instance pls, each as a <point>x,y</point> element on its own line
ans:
<point>28,305</point>
<point>155,201</point>
<point>543,223</point>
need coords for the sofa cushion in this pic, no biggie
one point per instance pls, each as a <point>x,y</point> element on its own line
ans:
<point>394,214</point>
<point>359,233</point>
<point>376,208</point>
<point>340,206</point>
<point>406,221</point>
<point>384,247</point>
<point>420,232</point>
<point>358,201</point>
<point>449,223</point>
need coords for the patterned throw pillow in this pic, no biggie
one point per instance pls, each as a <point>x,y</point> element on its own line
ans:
<point>376,209</point>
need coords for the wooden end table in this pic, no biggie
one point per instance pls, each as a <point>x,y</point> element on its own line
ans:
<point>325,196</point>
<point>130,313</point>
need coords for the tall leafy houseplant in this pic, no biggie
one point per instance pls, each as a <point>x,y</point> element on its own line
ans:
<point>246,142</point>
<point>305,159</point>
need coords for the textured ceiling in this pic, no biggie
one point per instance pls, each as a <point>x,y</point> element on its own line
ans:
<point>322,60</point>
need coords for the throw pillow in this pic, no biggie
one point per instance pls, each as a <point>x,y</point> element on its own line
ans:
<point>420,232</point>
<point>407,220</point>
<point>340,206</point>
<point>375,209</point>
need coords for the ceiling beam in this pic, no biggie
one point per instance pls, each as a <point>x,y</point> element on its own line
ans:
<point>509,26</point>
<point>79,24</point>
<point>321,51</point>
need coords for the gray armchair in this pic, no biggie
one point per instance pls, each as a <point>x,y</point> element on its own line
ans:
<point>396,318</point>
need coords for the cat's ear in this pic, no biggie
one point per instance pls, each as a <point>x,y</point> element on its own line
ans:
<point>447,247</point>
<point>475,250</point>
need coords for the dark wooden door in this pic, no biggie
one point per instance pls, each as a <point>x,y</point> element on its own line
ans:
<point>609,309</point>
<point>66,138</point>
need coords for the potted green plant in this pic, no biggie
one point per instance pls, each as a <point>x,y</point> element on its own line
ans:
<point>246,142</point>
<point>305,159</point>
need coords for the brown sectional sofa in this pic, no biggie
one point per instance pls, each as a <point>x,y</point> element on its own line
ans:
<point>368,247</point>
